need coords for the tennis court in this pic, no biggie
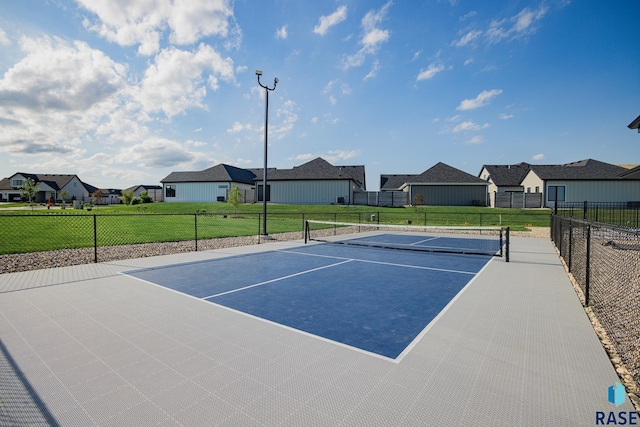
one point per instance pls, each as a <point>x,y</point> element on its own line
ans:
<point>292,334</point>
<point>372,299</point>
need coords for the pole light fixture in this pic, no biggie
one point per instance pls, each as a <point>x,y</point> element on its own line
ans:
<point>266,126</point>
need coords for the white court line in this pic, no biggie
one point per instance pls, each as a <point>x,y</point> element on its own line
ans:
<point>277,279</point>
<point>384,263</point>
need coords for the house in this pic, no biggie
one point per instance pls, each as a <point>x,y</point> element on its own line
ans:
<point>209,185</point>
<point>153,191</point>
<point>109,196</point>
<point>440,185</point>
<point>314,182</point>
<point>505,186</point>
<point>523,185</point>
<point>584,180</point>
<point>48,187</point>
<point>635,124</point>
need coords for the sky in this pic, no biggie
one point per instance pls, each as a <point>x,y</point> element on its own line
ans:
<point>124,92</point>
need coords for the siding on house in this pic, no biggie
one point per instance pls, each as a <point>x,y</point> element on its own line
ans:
<point>449,195</point>
<point>201,191</point>
<point>322,192</point>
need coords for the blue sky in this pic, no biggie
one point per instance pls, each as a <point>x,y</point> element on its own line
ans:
<point>123,92</point>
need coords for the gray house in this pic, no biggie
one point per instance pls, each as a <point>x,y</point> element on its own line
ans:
<point>635,124</point>
<point>209,185</point>
<point>314,182</point>
<point>505,186</point>
<point>586,180</point>
<point>440,185</point>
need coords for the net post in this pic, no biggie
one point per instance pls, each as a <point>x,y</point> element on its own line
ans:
<point>306,232</point>
<point>507,244</point>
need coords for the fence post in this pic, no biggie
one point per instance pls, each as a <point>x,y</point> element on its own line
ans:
<point>95,239</point>
<point>588,267</point>
<point>584,210</point>
<point>195,228</point>
<point>570,243</point>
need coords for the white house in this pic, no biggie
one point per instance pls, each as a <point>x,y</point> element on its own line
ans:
<point>209,185</point>
<point>48,187</point>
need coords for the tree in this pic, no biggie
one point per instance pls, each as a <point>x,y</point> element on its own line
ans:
<point>127,197</point>
<point>28,190</point>
<point>418,206</point>
<point>96,196</point>
<point>144,196</point>
<point>234,198</point>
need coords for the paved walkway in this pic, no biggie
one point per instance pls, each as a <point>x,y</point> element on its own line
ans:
<point>86,345</point>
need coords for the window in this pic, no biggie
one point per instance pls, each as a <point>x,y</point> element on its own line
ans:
<point>537,189</point>
<point>528,189</point>
<point>170,191</point>
<point>260,193</point>
<point>223,186</point>
<point>555,192</point>
<point>16,183</point>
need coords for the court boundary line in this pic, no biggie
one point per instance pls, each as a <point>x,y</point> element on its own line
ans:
<point>444,270</point>
<point>442,312</point>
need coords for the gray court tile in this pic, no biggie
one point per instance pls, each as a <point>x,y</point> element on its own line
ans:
<point>209,411</point>
<point>309,416</point>
<point>335,402</point>
<point>272,374</point>
<point>301,387</point>
<point>194,366</point>
<point>216,378</point>
<point>273,407</point>
<point>158,382</point>
<point>242,392</point>
<point>176,399</point>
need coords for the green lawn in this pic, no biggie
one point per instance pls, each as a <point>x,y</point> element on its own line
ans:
<point>39,230</point>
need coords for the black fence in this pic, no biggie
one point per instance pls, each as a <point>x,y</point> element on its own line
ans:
<point>604,260</point>
<point>626,214</point>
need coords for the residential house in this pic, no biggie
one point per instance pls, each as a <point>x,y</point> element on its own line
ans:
<point>48,187</point>
<point>110,196</point>
<point>314,182</point>
<point>209,185</point>
<point>505,186</point>
<point>153,191</point>
<point>440,185</point>
<point>585,180</point>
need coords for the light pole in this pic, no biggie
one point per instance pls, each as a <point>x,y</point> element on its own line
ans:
<point>266,125</point>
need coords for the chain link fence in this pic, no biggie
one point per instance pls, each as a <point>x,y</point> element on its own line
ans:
<point>605,263</point>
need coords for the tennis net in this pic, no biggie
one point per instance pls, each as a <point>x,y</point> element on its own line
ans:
<point>471,240</point>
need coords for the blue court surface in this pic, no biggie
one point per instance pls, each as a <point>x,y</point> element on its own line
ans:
<point>373,299</point>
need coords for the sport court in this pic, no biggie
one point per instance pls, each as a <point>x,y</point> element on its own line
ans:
<point>292,334</point>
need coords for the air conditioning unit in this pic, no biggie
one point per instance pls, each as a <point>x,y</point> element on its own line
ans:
<point>340,200</point>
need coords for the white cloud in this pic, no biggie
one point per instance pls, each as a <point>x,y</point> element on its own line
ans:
<point>374,70</point>
<point>372,37</point>
<point>288,118</point>
<point>174,82</point>
<point>60,96</point>
<point>239,127</point>
<point>538,157</point>
<point>467,38</point>
<point>416,55</point>
<point>479,101</point>
<point>517,26</point>
<point>157,153</point>
<point>4,40</point>
<point>430,72</point>
<point>326,22</point>
<point>504,116</point>
<point>331,156</point>
<point>474,140</point>
<point>469,126</point>
<point>143,22</point>
<point>281,33</point>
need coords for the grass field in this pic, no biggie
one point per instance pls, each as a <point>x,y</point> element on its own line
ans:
<point>41,229</point>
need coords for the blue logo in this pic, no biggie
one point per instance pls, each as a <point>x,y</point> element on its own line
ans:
<point>616,394</point>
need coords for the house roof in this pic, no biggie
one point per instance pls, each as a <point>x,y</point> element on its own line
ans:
<point>588,169</point>
<point>317,169</point>
<point>441,173</point>
<point>144,187</point>
<point>55,181</point>
<point>394,182</point>
<point>507,175</point>
<point>635,124</point>
<point>218,173</point>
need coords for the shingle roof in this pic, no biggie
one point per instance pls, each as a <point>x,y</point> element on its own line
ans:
<point>441,173</point>
<point>635,124</point>
<point>507,175</point>
<point>218,173</point>
<point>317,169</point>
<point>55,181</point>
<point>588,169</point>
<point>394,182</point>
